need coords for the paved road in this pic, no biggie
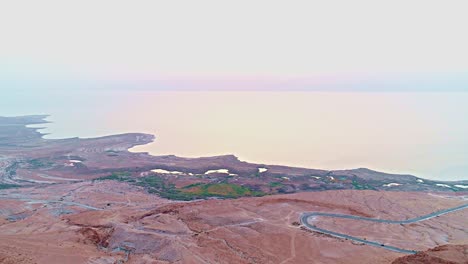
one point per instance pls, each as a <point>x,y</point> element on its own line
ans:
<point>306,216</point>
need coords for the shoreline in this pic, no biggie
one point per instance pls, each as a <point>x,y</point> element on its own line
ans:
<point>142,139</point>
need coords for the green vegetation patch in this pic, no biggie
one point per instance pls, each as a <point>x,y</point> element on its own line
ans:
<point>151,182</point>
<point>192,185</point>
<point>275,184</point>
<point>8,186</point>
<point>118,176</point>
<point>362,186</point>
<point>158,185</point>
<point>37,164</point>
<point>227,190</point>
<point>11,170</point>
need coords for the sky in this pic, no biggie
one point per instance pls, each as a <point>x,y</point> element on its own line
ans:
<point>305,45</point>
<point>54,54</point>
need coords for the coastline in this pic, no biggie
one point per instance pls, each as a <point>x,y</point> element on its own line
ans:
<point>94,151</point>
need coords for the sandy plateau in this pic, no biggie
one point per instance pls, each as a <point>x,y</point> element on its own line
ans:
<point>130,226</point>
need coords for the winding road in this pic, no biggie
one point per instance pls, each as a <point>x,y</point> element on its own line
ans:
<point>306,216</point>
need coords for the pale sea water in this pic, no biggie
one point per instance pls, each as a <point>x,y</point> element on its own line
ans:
<point>425,134</point>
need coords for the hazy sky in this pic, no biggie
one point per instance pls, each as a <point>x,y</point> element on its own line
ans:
<point>53,52</point>
<point>402,45</point>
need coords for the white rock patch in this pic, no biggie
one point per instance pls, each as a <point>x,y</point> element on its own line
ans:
<point>443,185</point>
<point>461,186</point>
<point>166,171</point>
<point>217,171</point>
<point>391,184</point>
<point>419,180</point>
<point>225,171</point>
<point>260,170</point>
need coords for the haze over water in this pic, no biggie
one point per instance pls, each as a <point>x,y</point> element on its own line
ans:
<point>384,93</point>
<point>417,133</point>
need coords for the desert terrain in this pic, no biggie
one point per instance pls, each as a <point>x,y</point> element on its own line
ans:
<point>92,201</point>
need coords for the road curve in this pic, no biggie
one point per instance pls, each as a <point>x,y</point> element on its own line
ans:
<point>305,217</point>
